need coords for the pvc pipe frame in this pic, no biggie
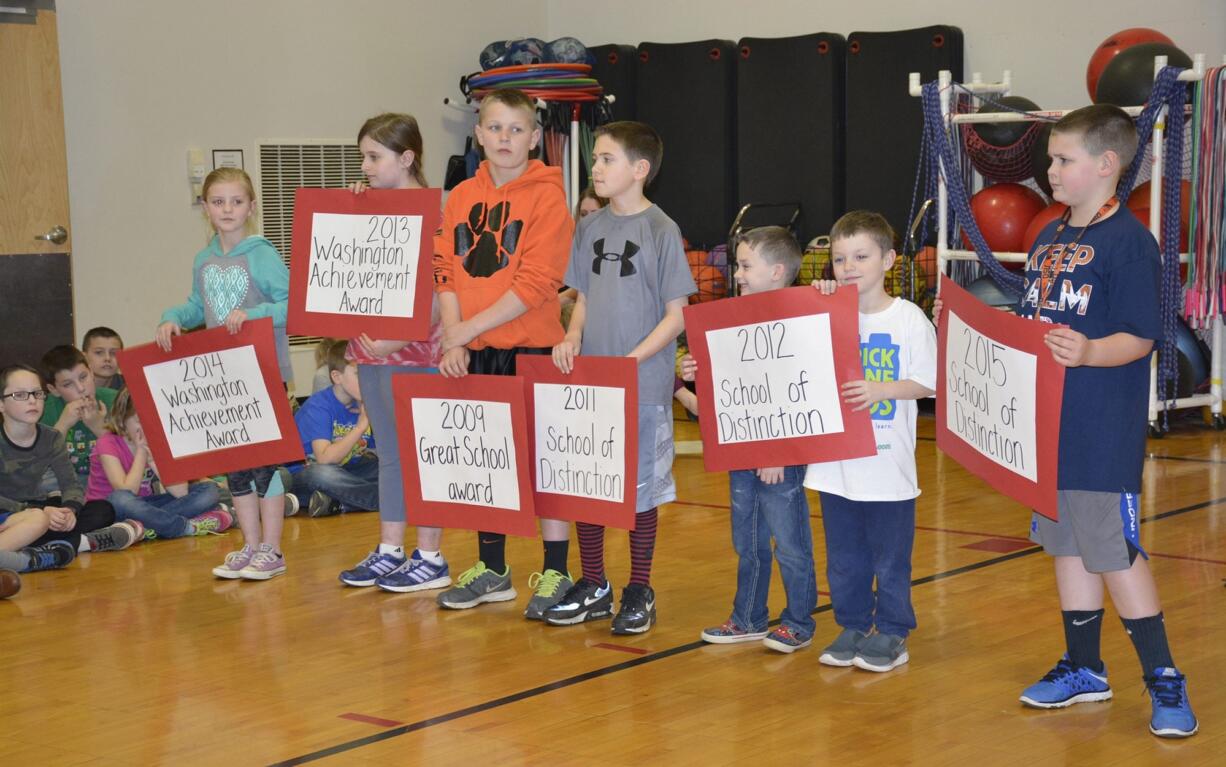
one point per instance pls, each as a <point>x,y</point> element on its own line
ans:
<point>944,254</point>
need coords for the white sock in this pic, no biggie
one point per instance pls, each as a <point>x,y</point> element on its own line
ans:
<point>395,551</point>
<point>84,545</point>
<point>433,557</point>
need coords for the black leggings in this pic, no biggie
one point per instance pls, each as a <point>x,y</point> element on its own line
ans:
<point>94,515</point>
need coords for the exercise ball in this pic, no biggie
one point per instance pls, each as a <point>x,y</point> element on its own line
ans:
<point>1138,203</point>
<point>1129,79</point>
<point>1004,134</point>
<point>1112,46</point>
<point>987,291</point>
<point>1042,219</point>
<point>1003,211</point>
<point>1039,159</point>
<point>711,284</point>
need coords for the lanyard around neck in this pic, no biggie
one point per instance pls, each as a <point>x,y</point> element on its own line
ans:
<point>1055,262</point>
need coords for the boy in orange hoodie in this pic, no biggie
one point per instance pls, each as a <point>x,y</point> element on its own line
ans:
<point>499,258</point>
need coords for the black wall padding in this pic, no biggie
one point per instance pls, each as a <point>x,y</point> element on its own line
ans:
<point>614,69</point>
<point>35,306</point>
<point>687,92</point>
<point>884,122</point>
<point>790,125</point>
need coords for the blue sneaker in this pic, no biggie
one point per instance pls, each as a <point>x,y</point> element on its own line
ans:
<point>416,574</point>
<point>369,570</point>
<point>1168,693</point>
<point>1067,684</point>
<point>51,555</point>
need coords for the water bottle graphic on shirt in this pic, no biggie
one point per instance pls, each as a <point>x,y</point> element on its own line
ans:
<point>879,357</point>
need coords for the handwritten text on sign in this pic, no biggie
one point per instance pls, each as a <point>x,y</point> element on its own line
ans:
<point>774,380</point>
<point>363,264</point>
<point>581,441</point>
<point>466,452</point>
<point>991,402</point>
<point>212,401</point>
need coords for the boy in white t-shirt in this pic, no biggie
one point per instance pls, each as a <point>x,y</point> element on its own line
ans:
<point>868,504</point>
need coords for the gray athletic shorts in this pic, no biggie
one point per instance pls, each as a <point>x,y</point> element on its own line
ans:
<point>655,484</point>
<point>1101,528</point>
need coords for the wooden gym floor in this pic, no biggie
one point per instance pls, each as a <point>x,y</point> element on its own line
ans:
<point>143,658</point>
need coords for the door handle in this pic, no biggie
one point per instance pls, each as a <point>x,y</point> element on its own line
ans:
<point>58,235</point>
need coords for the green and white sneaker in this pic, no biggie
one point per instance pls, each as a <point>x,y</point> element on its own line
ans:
<point>548,587</point>
<point>476,585</point>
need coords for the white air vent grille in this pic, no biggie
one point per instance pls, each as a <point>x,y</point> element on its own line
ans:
<point>285,166</point>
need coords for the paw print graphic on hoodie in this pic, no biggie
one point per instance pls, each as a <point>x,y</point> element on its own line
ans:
<point>487,239</point>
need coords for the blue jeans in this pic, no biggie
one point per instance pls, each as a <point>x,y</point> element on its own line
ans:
<point>355,485</point>
<point>867,540</point>
<point>163,513</point>
<point>760,512</point>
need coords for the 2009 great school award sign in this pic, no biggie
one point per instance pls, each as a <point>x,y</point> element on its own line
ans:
<point>214,403</point>
<point>360,263</point>
<point>769,370</point>
<point>999,396</point>
<point>584,438</point>
<point>464,452</point>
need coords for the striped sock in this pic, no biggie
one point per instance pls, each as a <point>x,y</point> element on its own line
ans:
<point>591,551</point>
<point>643,546</point>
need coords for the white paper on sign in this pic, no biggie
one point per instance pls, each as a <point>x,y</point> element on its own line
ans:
<point>775,380</point>
<point>363,264</point>
<point>466,452</point>
<point>212,401</point>
<point>991,397</point>
<point>581,441</point>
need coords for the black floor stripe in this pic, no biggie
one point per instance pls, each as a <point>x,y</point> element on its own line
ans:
<point>478,708</point>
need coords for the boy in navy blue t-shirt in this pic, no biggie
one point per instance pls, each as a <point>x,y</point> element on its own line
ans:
<point>342,471</point>
<point>1096,271</point>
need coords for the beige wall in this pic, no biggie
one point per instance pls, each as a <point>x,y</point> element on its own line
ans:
<point>1046,43</point>
<point>146,79</point>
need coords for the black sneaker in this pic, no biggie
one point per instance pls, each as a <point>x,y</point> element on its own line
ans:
<point>585,601</point>
<point>49,556</point>
<point>637,613</point>
<point>322,505</point>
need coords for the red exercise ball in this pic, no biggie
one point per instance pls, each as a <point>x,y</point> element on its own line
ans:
<point>1003,212</point>
<point>1108,49</point>
<point>1138,203</point>
<point>1044,217</point>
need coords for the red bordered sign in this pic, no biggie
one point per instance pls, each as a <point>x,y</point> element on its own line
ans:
<point>214,403</point>
<point>999,396</point>
<point>769,370</point>
<point>361,263</point>
<point>464,452</point>
<point>583,439</point>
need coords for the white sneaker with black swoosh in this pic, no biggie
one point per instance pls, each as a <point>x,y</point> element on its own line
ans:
<point>585,601</point>
<point>637,612</point>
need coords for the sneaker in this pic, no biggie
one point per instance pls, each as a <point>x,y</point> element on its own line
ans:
<point>322,505</point>
<point>370,570</point>
<point>291,504</point>
<point>478,584</point>
<point>730,633</point>
<point>787,639</point>
<point>584,601</point>
<point>235,562</point>
<point>416,574</point>
<point>118,536</point>
<point>216,522</point>
<point>843,649</point>
<point>1067,684</point>
<point>265,564</point>
<point>1172,713</point>
<point>49,556</point>
<point>548,588</point>
<point>10,583</point>
<point>881,652</point>
<point>637,612</point>
<point>138,527</point>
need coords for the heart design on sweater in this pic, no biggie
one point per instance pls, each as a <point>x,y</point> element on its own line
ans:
<point>224,289</point>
